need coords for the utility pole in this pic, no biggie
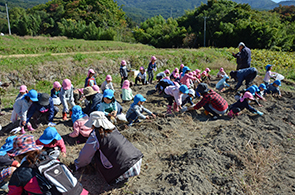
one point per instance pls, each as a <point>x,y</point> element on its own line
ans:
<point>205,17</point>
<point>8,19</point>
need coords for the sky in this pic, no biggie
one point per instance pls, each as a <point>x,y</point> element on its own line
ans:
<point>276,1</point>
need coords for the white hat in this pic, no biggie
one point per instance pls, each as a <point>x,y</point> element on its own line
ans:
<point>98,119</point>
<point>192,92</point>
<point>241,44</point>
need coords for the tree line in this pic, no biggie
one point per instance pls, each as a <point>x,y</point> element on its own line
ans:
<point>227,24</point>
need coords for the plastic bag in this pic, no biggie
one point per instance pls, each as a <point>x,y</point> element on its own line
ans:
<point>122,117</point>
<point>279,77</point>
<point>56,101</point>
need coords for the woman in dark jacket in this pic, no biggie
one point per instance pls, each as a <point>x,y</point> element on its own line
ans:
<point>116,158</point>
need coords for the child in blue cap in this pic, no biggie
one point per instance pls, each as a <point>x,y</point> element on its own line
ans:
<point>109,106</point>
<point>7,164</point>
<point>51,139</point>
<point>136,109</point>
<point>255,91</point>
<point>274,88</point>
<point>268,74</point>
<point>174,93</point>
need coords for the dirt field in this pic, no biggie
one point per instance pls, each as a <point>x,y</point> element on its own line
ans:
<point>191,153</point>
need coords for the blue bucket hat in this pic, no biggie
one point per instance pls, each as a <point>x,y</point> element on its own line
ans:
<point>108,93</point>
<point>184,70</point>
<point>267,67</point>
<point>49,134</point>
<point>253,89</point>
<point>263,86</point>
<point>183,89</point>
<point>278,82</point>
<point>77,113</point>
<point>7,146</point>
<point>139,98</point>
<point>33,95</point>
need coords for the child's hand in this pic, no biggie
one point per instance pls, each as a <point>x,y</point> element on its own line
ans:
<point>114,113</point>
<point>147,117</point>
<point>63,154</point>
<point>263,99</point>
<point>259,105</point>
<point>24,123</point>
<point>153,115</point>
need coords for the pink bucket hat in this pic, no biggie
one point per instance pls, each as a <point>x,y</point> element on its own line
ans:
<point>126,84</point>
<point>191,73</point>
<point>66,84</point>
<point>182,65</point>
<point>247,95</point>
<point>96,88</point>
<point>23,144</point>
<point>123,62</point>
<point>176,70</point>
<point>194,73</point>
<point>204,73</point>
<point>153,58</point>
<point>207,70</point>
<point>81,90</point>
<point>141,68</point>
<point>56,84</point>
<point>109,78</point>
<point>197,71</point>
<point>167,71</point>
<point>221,70</point>
<point>23,88</point>
<point>176,75</point>
<point>90,71</point>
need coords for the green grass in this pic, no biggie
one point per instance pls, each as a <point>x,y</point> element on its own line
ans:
<point>37,45</point>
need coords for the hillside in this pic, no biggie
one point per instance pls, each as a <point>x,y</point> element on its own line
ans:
<point>140,10</point>
<point>18,3</point>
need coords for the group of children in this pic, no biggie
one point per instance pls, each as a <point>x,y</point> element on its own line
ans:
<point>179,87</point>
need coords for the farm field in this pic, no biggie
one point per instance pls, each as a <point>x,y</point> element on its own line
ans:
<point>187,153</point>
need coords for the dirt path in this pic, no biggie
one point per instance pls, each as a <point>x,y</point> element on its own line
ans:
<point>61,54</point>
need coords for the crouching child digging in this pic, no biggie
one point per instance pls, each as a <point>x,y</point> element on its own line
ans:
<point>136,109</point>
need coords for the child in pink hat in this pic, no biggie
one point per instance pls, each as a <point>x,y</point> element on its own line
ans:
<point>107,84</point>
<point>241,104</point>
<point>126,92</point>
<point>67,96</point>
<point>221,73</point>
<point>96,88</point>
<point>181,68</point>
<point>141,76</point>
<point>123,71</point>
<point>90,80</point>
<point>55,92</point>
<point>22,91</point>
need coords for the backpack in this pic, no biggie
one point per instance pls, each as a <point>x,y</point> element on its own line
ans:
<point>54,177</point>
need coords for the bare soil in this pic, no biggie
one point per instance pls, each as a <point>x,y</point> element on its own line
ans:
<point>191,153</point>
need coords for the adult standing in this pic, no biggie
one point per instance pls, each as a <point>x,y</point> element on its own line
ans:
<point>243,56</point>
<point>247,74</point>
<point>212,102</point>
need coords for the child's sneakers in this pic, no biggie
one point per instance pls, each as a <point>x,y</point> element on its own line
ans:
<point>29,126</point>
<point>231,114</point>
<point>169,109</point>
<point>175,107</point>
<point>64,116</point>
<point>71,112</point>
<point>23,130</point>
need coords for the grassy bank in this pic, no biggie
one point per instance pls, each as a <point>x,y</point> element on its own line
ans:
<point>37,45</point>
